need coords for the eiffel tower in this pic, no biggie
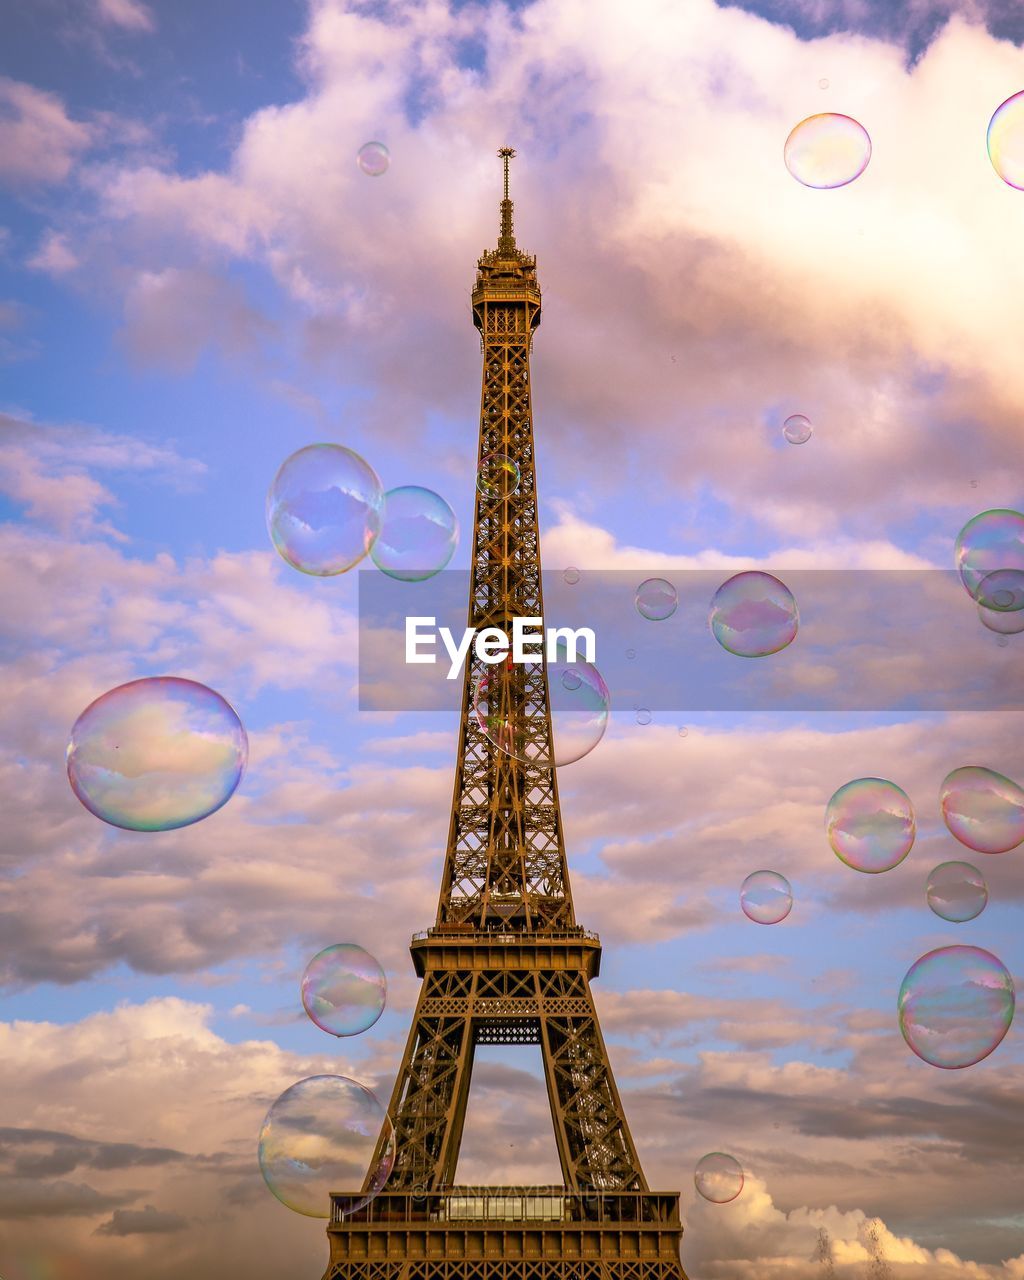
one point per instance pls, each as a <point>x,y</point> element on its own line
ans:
<point>506,962</point>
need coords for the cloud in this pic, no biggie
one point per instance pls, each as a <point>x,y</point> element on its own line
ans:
<point>129,15</point>
<point>54,256</point>
<point>139,1222</point>
<point>39,142</point>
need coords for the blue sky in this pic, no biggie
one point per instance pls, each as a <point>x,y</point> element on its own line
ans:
<point>196,280</point>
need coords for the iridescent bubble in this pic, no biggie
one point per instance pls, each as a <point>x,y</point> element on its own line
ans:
<point>766,897</point>
<point>1005,140</point>
<point>571,576</point>
<point>754,614</point>
<point>656,599</point>
<point>506,696</point>
<point>643,715</point>
<point>344,989</point>
<point>983,809</point>
<point>870,824</point>
<point>324,509</point>
<point>718,1177</point>
<point>990,559</point>
<point>955,1005</point>
<point>418,534</point>
<point>1003,624</point>
<point>373,158</point>
<point>498,475</point>
<point>797,428</point>
<point>157,753</point>
<point>827,150</point>
<point>321,1136</point>
<point>683,731</point>
<point>956,891</point>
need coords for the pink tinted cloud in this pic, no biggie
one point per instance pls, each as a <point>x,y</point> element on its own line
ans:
<point>39,142</point>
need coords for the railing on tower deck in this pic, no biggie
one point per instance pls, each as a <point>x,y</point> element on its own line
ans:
<point>509,1205</point>
<point>503,933</point>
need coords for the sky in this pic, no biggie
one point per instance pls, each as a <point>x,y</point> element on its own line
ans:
<point>196,280</point>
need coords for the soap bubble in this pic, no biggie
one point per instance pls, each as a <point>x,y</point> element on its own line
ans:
<point>683,731</point>
<point>324,509</point>
<point>990,559</point>
<point>955,1005</point>
<point>823,83</point>
<point>321,1136</point>
<point>498,475</point>
<point>870,824</point>
<point>656,599</point>
<point>418,534</point>
<point>766,897</point>
<point>373,158</point>
<point>827,150</point>
<point>753,614</point>
<point>630,654</point>
<point>797,428</point>
<point>579,700</point>
<point>1003,624</point>
<point>957,891</point>
<point>571,576</point>
<point>157,753</point>
<point>983,809</point>
<point>718,1177</point>
<point>1005,140</point>
<point>643,715</point>
<point>344,989</point>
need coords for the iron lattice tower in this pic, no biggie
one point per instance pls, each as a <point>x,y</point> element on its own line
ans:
<point>506,962</point>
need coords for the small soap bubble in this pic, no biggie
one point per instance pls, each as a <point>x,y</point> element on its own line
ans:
<point>656,599</point>
<point>643,716</point>
<point>418,534</point>
<point>344,989</point>
<point>983,809</point>
<point>1005,140</point>
<point>822,83</point>
<point>718,1177</point>
<point>498,476</point>
<point>870,824</point>
<point>1003,624</point>
<point>683,731</point>
<point>571,576</point>
<point>373,158</point>
<point>827,150</point>
<point>319,1137</point>
<point>631,654</point>
<point>797,428</point>
<point>956,891</point>
<point>955,1006</point>
<point>156,754</point>
<point>324,509</point>
<point>753,614</point>
<point>990,559</point>
<point>766,897</point>
<point>1002,641</point>
<point>571,680</point>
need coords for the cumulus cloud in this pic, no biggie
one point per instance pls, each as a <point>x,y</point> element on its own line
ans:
<point>39,142</point>
<point>129,15</point>
<point>54,256</point>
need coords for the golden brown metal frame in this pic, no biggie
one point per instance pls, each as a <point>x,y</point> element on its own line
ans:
<point>506,962</point>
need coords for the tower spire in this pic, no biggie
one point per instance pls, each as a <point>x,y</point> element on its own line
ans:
<point>506,239</point>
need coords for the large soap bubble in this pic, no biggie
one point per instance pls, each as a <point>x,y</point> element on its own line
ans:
<point>321,1136</point>
<point>157,753</point>
<point>827,150</point>
<point>324,509</point>
<point>1005,140</point>
<point>753,614</point>
<point>505,700</point>
<point>344,989</point>
<point>983,809</point>
<point>766,897</point>
<point>956,891</point>
<point>955,1005</point>
<point>718,1177</point>
<point>418,534</point>
<point>870,824</point>
<point>990,559</point>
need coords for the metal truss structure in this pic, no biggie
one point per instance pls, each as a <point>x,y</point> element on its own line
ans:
<point>506,962</point>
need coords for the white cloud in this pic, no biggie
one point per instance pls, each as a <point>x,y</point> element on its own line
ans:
<point>39,142</point>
